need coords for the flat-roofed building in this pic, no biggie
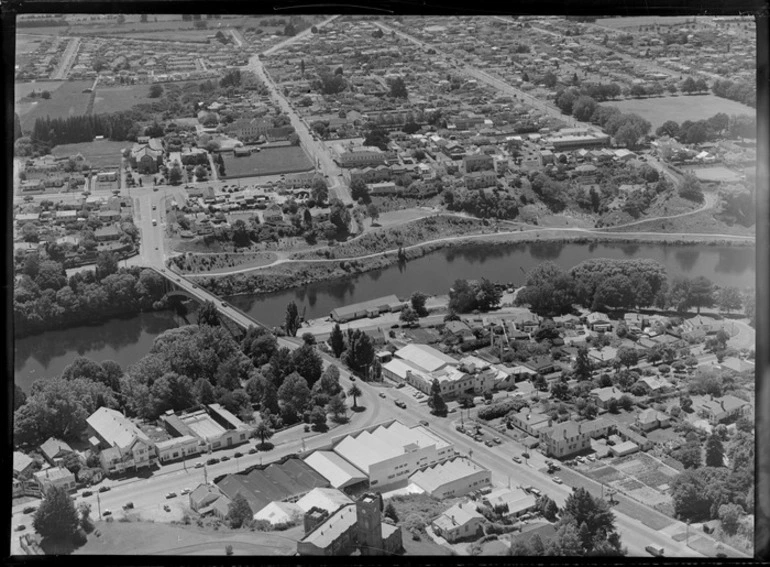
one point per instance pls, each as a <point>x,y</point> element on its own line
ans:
<point>454,477</point>
<point>388,454</point>
<point>178,448</point>
<point>214,427</point>
<point>371,308</point>
<point>339,472</point>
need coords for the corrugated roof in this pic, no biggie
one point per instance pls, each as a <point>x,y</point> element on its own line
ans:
<point>329,499</point>
<point>115,428</point>
<point>431,478</point>
<point>54,446</point>
<point>425,357</point>
<point>365,305</point>
<point>336,525</point>
<point>335,469</point>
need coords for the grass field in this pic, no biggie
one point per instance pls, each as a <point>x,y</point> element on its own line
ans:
<point>267,162</point>
<point>21,90</point>
<point>101,153</point>
<point>68,100</point>
<point>114,99</point>
<point>126,538</point>
<point>681,108</point>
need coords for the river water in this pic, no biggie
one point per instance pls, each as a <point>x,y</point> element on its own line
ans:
<point>127,340</point>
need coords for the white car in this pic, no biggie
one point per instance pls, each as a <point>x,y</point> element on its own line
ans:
<point>185,491</point>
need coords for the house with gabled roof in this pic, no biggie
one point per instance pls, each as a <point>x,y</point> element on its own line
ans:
<point>54,450</point>
<point>125,447</point>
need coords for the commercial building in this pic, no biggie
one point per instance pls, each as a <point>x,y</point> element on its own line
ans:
<point>371,308</point>
<point>178,448</point>
<point>390,453</point>
<point>455,477</point>
<point>329,499</point>
<point>532,423</point>
<point>461,521</point>
<point>568,139</point>
<point>125,447</point>
<point>283,481</point>
<point>56,476</point>
<point>340,473</point>
<point>565,439</point>
<point>359,156</point>
<point>214,427</point>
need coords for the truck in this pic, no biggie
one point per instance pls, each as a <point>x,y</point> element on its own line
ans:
<point>655,550</point>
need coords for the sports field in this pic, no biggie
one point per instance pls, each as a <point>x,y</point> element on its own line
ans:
<point>270,161</point>
<point>114,99</point>
<point>681,108</point>
<point>100,153</point>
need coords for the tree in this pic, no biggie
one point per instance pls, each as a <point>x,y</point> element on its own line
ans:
<point>730,516</point>
<point>581,509</point>
<point>360,352</point>
<point>690,454</point>
<point>318,419</point>
<point>239,512</point>
<point>320,191</point>
<point>294,395</point>
<point>263,431</point>
<point>729,299</point>
<point>175,175</point>
<point>549,291</point>
<point>337,341</point>
<point>626,402</point>
<point>208,314</point>
<point>337,408</point>
<point>715,451</point>
<point>615,292</point>
<point>390,512</point>
<point>628,356</point>
<point>354,391</point>
<point>436,401</point>
<point>582,368</point>
<point>547,507</point>
<point>583,108</point>
<point>339,215</point>
<point>408,316</point>
<point>701,293</point>
<point>292,321</point>
<point>398,88</point>
<point>688,85</point>
<point>691,189</point>
<point>373,211</point>
<point>155,91</point>
<point>106,264</point>
<point>204,391</point>
<point>308,363</point>
<point>359,191</point>
<point>56,517</point>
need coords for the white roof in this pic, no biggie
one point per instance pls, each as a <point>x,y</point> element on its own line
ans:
<point>279,512</point>
<point>115,428</point>
<point>516,498</point>
<point>425,357</point>
<point>385,442</point>
<point>458,515</point>
<point>21,461</point>
<point>334,468</point>
<point>329,499</point>
<point>400,367</point>
<point>434,477</point>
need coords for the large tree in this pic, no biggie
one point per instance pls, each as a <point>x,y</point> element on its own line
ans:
<point>715,451</point>
<point>436,401</point>
<point>292,321</point>
<point>308,363</point>
<point>263,431</point>
<point>239,512</point>
<point>354,391</point>
<point>337,340</point>
<point>208,314</point>
<point>294,395</point>
<point>701,293</point>
<point>56,517</point>
<point>583,509</point>
<point>360,352</point>
<point>549,291</point>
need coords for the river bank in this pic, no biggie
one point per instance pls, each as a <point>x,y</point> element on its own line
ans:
<point>298,273</point>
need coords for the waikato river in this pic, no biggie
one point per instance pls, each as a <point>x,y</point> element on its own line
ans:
<point>126,340</point>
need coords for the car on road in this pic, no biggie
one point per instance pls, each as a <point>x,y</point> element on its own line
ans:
<point>167,508</point>
<point>171,495</point>
<point>29,510</point>
<point>382,394</point>
<point>185,491</point>
<point>400,385</point>
<point>516,459</point>
<point>489,443</point>
<point>198,465</point>
<point>238,455</point>
<point>128,505</point>
<point>104,489</point>
<point>212,461</point>
<point>20,528</point>
<point>557,480</point>
<point>253,451</point>
<point>591,458</point>
<point>154,208</point>
<point>107,512</point>
<point>225,458</point>
<point>535,491</point>
<point>424,422</point>
<point>497,441</point>
<point>400,404</point>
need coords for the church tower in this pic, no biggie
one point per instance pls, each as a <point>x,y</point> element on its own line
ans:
<point>369,515</point>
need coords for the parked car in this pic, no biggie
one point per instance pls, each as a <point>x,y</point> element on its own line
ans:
<point>238,455</point>
<point>516,459</point>
<point>400,385</point>
<point>171,495</point>
<point>252,451</point>
<point>557,480</point>
<point>497,441</point>
<point>489,443</point>
<point>29,510</point>
<point>424,422</point>
<point>400,404</point>
<point>198,465</point>
<point>20,528</point>
<point>104,489</point>
<point>107,512</point>
<point>185,491</point>
<point>535,491</point>
<point>128,505</point>
<point>212,461</point>
<point>382,394</point>
<point>225,458</point>
<point>167,508</point>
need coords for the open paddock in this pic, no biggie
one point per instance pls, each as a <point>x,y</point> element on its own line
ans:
<point>115,99</point>
<point>680,108</point>
<point>99,153</point>
<point>67,100</point>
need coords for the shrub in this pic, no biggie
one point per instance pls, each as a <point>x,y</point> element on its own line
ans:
<point>79,537</point>
<point>500,409</point>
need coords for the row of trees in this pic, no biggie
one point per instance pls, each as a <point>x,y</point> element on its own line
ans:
<point>739,91</point>
<point>466,296</point>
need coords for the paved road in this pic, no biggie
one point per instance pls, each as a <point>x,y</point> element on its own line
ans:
<point>68,58</point>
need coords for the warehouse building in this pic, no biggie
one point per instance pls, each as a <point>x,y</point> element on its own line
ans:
<point>340,473</point>
<point>455,477</point>
<point>371,308</point>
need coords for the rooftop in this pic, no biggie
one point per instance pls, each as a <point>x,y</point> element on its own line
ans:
<point>336,525</point>
<point>425,357</point>
<point>335,469</point>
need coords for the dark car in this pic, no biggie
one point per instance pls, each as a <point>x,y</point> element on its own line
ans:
<point>171,495</point>
<point>401,404</point>
<point>128,505</point>
<point>29,510</point>
<point>20,528</point>
<point>424,422</point>
<point>212,461</point>
<point>104,489</point>
<point>252,451</point>
<point>225,458</point>
<point>238,455</point>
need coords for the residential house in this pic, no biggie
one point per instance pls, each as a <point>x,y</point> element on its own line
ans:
<point>603,396</point>
<point>23,465</point>
<point>515,501</point>
<point>635,321</point>
<point>541,365</point>
<point>655,385</point>
<point>565,439</point>
<point>717,410</point>
<point>628,434</point>
<point>531,422</point>
<point>603,355</point>
<point>650,419</point>
<point>598,322</point>
<point>461,521</point>
<point>480,179</point>
<point>209,499</point>
<point>54,451</point>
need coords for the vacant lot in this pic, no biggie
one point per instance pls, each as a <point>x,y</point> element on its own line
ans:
<point>68,100</point>
<point>125,538</point>
<point>21,90</point>
<point>100,153</point>
<point>681,108</point>
<point>267,162</point>
<point>114,99</point>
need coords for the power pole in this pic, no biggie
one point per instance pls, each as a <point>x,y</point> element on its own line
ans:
<point>99,505</point>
